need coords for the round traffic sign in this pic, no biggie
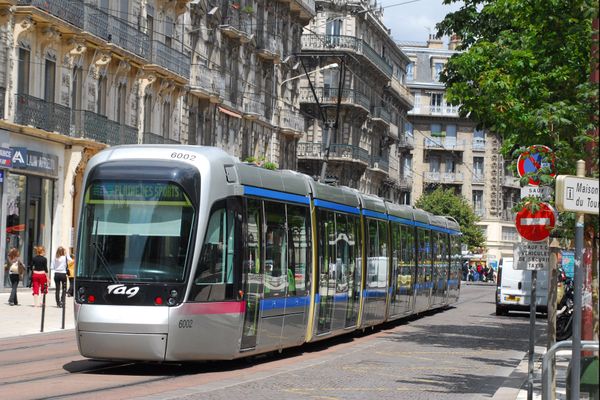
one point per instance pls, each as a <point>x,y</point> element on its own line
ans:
<point>532,160</point>
<point>535,226</point>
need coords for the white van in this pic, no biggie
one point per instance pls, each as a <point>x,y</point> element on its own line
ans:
<point>513,289</point>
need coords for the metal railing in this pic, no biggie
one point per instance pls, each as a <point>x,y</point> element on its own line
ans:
<point>444,143</point>
<point>478,178</point>
<point>352,43</point>
<point>548,378</point>
<point>270,43</point>
<point>337,151</point>
<point>253,106</point>
<point>434,110</point>
<point>405,181</point>
<point>406,141</point>
<point>308,5</point>
<point>98,127</point>
<point>42,114</point>
<point>70,11</point>
<point>478,144</point>
<point>291,120</point>
<point>402,91</point>
<point>237,23</point>
<point>381,113</point>
<point>443,177</point>
<point>172,59</point>
<point>380,163</point>
<point>331,95</point>
<point>153,138</point>
<point>510,180</point>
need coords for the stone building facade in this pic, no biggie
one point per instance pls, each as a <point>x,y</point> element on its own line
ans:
<point>451,152</point>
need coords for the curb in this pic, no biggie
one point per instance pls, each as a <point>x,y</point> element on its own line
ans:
<point>512,385</point>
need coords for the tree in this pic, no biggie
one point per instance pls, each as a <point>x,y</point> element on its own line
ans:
<point>524,73</point>
<point>445,202</point>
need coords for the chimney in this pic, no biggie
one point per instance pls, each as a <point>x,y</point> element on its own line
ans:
<point>434,43</point>
<point>454,42</point>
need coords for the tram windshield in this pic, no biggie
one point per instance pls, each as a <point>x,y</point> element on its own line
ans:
<point>135,231</point>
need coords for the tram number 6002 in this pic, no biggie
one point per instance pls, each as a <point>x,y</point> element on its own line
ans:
<point>185,323</point>
<point>183,156</point>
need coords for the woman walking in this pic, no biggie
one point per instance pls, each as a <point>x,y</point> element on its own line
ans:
<point>15,269</point>
<point>59,266</point>
<point>39,275</point>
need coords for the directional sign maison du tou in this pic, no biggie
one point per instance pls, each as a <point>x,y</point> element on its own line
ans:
<point>577,194</point>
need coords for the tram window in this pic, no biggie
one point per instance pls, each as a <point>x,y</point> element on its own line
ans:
<point>216,265</point>
<point>298,223</point>
<point>276,278</point>
<point>407,245</point>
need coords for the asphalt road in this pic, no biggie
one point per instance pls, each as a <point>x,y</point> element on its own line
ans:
<point>464,352</point>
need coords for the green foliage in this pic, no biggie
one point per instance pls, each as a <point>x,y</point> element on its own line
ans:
<point>445,202</point>
<point>261,162</point>
<point>525,73</point>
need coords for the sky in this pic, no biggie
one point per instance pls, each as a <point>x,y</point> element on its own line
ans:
<point>414,20</point>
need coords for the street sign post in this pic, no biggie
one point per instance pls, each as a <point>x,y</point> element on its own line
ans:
<point>577,194</point>
<point>535,226</point>
<point>533,160</point>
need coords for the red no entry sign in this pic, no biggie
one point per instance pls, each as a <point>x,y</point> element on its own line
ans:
<point>533,159</point>
<point>536,226</point>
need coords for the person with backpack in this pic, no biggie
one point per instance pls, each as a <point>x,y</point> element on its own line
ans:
<point>15,269</point>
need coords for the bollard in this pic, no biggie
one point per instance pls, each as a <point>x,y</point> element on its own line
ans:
<point>64,306</point>
<point>45,289</point>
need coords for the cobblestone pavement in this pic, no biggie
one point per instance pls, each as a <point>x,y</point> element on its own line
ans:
<point>465,352</point>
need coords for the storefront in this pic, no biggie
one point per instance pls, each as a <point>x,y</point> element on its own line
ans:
<point>28,181</point>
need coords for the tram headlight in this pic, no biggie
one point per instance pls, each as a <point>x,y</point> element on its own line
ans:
<point>174,293</point>
<point>172,301</point>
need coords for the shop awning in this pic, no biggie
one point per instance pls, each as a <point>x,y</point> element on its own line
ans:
<point>229,112</point>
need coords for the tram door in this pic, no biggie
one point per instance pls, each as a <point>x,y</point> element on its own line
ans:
<point>253,271</point>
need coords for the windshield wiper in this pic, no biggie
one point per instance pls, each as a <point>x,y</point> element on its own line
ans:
<point>104,262</point>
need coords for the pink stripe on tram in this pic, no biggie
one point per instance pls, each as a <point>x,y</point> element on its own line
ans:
<point>228,307</point>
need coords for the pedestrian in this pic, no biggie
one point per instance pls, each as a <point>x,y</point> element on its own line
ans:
<point>59,266</point>
<point>15,269</point>
<point>39,275</point>
<point>480,272</point>
<point>71,275</point>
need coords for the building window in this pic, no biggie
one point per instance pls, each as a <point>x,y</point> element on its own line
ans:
<point>101,100</point>
<point>436,130</point>
<point>23,80</point>
<point>50,80</point>
<point>122,103</point>
<point>410,71</point>
<point>148,113</point>
<point>408,129</point>
<point>478,202</point>
<point>478,169</point>
<point>166,120</point>
<point>169,29</point>
<point>437,70</point>
<point>509,234</point>
<point>436,102</point>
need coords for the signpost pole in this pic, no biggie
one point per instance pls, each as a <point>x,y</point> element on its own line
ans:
<point>576,357</point>
<point>531,335</point>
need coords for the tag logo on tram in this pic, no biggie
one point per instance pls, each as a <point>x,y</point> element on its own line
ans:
<point>122,289</point>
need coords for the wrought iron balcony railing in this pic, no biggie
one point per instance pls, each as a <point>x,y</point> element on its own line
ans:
<point>336,151</point>
<point>381,113</point>
<point>42,114</point>
<point>478,178</point>
<point>253,107</point>
<point>407,142</point>
<point>172,59</point>
<point>380,163</point>
<point>403,91</point>
<point>70,11</point>
<point>444,143</point>
<point>236,25</point>
<point>435,110</point>
<point>269,45</point>
<point>153,138</point>
<point>331,95</point>
<point>405,181</point>
<point>291,120</point>
<point>511,181</point>
<point>90,125</point>
<point>478,144</point>
<point>346,43</point>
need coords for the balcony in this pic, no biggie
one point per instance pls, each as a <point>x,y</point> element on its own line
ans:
<point>306,8</point>
<point>97,127</point>
<point>207,84</point>
<point>381,115</point>
<point>67,10</point>
<point>332,95</point>
<point>479,211</point>
<point>353,44</point>
<point>451,111</point>
<point>444,177</point>
<point>253,108</point>
<point>173,60</point>
<point>291,121</point>
<point>42,114</point>
<point>444,143</point>
<point>237,26</point>
<point>403,92</point>
<point>269,47</point>
<point>478,144</point>
<point>2,101</point>
<point>153,138</point>
<point>380,164</point>
<point>406,142</point>
<point>478,179</point>
<point>511,181</point>
<point>508,215</point>
<point>405,182</point>
<point>342,152</point>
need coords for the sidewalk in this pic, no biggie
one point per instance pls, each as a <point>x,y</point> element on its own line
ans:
<point>25,319</point>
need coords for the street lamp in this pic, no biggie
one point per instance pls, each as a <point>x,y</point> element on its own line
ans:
<point>329,66</point>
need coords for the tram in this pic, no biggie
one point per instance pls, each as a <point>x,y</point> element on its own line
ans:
<point>185,253</point>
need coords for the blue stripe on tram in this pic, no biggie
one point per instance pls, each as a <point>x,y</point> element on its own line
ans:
<point>273,194</point>
<point>275,303</point>
<point>336,206</point>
